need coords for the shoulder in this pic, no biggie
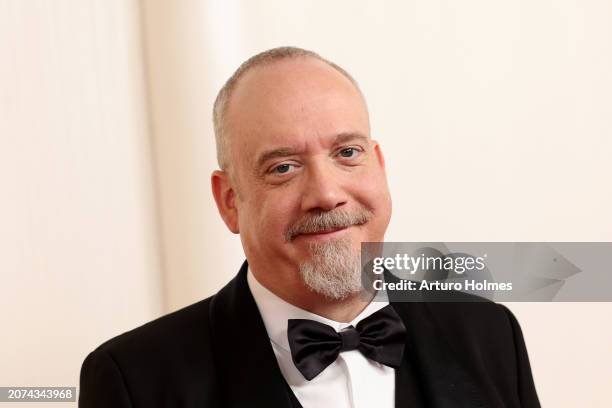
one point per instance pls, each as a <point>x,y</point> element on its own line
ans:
<point>166,358</point>
<point>469,320</point>
<point>473,328</point>
<point>455,311</point>
<point>473,313</point>
<point>177,329</point>
<point>481,336</point>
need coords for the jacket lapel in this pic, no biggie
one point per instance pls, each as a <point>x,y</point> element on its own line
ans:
<point>244,360</point>
<point>430,375</point>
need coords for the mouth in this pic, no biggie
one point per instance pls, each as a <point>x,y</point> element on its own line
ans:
<point>324,234</point>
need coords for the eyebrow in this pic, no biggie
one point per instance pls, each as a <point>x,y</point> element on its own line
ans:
<point>340,138</point>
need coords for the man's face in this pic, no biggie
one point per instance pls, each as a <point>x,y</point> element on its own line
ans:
<point>308,175</point>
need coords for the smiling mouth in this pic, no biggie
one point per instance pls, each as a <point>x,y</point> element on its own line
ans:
<point>326,233</point>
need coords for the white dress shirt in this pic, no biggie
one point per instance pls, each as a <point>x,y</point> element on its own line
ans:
<point>352,381</point>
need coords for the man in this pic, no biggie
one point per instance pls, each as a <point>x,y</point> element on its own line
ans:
<point>303,184</point>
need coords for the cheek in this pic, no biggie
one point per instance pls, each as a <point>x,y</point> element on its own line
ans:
<point>373,192</point>
<point>274,213</point>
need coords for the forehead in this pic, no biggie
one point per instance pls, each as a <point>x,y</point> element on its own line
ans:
<point>294,102</point>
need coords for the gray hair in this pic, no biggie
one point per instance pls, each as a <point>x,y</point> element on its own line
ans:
<point>261,59</point>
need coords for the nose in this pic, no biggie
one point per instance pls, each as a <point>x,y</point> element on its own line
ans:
<point>323,190</point>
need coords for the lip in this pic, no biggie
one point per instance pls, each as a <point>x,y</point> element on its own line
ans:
<point>322,235</point>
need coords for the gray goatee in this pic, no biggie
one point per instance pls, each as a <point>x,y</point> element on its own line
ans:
<point>334,267</point>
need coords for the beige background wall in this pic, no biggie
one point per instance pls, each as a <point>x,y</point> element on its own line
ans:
<point>79,251</point>
<point>495,118</point>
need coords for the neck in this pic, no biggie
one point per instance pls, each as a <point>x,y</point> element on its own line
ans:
<point>344,310</point>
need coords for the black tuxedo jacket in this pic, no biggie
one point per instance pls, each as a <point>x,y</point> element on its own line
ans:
<point>216,353</point>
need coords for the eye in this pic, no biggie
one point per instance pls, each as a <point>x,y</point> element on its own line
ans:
<point>349,152</point>
<point>282,168</point>
<point>282,171</point>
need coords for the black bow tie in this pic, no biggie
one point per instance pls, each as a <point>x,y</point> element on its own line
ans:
<point>379,337</point>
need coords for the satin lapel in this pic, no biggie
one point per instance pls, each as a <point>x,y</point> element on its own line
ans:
<point>244,359</point>
<point>430,375</point>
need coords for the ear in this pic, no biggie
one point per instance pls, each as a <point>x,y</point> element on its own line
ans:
<point>225,197</point>
<point>379,154</point>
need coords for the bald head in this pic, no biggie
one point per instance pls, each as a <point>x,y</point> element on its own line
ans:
<point>222,118</point>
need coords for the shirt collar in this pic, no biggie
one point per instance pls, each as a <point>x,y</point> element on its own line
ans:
<point>275,312</point>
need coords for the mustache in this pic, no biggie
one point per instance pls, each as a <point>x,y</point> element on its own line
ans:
<point>328,220</point>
